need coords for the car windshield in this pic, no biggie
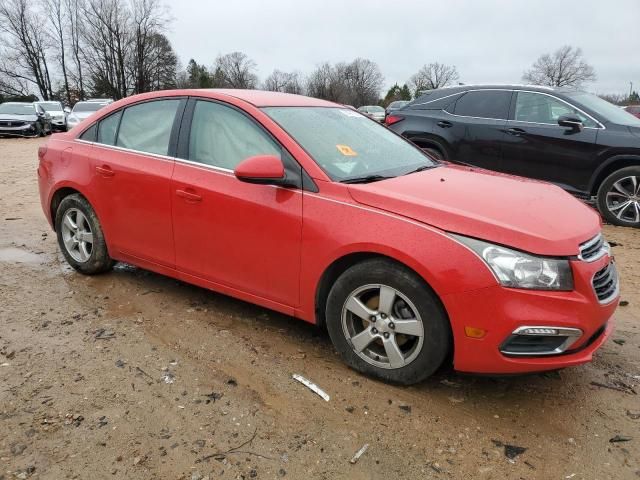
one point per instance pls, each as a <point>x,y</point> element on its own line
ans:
<point>398,104</point>
<point>88,107</point>
<point>51,106</point>
<point>606,110</point>
<point>347,145</point>
<point>375,108</point>
<point>17,109</point>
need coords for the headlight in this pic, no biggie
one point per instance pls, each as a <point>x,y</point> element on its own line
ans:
<point>522,270</point>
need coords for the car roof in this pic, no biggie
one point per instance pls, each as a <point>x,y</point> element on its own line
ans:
<point>263,98</point>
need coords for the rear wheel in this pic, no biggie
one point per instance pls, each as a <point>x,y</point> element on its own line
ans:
<point>619,197</point>
<point>80,236</point>
<point>387,323</point>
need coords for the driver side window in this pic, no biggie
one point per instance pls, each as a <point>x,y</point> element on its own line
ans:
<point>222,137</point>
<point>538,108</point>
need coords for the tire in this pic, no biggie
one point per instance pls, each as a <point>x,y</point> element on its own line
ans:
<point>426,339</point>
<point>80,236</point>
<point>619,197</point>
<point>39,130</point>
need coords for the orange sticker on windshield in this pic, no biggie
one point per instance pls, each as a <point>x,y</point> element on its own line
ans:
<point>347,151</point>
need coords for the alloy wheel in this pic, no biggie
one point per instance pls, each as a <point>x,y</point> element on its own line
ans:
<point>382,326</point>
<point>623,199</point>
<point>77,235</point>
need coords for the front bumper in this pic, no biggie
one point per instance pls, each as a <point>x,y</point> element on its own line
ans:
<point>500,311</point>
<point>27,130</point>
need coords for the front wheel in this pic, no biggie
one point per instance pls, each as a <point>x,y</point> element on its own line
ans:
<point>387,323</point>
<point>619,197</point>
<point>80,236</point>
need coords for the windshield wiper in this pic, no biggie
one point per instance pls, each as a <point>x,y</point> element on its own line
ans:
<point>366,179</point>
<point>421,168</point>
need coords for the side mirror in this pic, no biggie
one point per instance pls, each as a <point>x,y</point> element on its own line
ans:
<point>261,169</point>
<point>570,121</point>
<point>67,110</point>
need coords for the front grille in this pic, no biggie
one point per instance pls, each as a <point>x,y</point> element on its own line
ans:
<point>606,284</point>
<point>593,249</point>
<point>11,124</point>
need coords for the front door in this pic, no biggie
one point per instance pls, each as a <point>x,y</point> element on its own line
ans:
<point>537,147</point>
<point>239,235</point>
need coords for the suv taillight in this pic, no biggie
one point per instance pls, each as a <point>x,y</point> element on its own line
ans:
<point>391,119</point>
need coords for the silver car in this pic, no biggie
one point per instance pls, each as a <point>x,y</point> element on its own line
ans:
<point>58,114</point>
<point>82,110</point>
<point>373,111</point>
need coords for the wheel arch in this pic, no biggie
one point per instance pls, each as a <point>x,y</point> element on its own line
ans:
<point>57,197</point>
<point>609,166</point>
<point>342,264</point>
<point>429,140</point>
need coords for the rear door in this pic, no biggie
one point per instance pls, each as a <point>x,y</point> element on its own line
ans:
<point>243,236</point>
<point>535,146</point>
<point>475,124</point>
<point>132,165</point>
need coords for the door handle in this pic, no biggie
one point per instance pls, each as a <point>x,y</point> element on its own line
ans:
<point>189,195</point>
<point>444,124</point>
<point>105,171</point>
<point>516,132</point>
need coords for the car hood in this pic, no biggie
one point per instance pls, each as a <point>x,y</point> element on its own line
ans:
<point>524,214</point>
<point>20,118</point>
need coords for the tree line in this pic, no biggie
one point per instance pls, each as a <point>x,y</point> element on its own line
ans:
<point>70,50</point>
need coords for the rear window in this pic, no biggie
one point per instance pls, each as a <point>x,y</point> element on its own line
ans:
<point>484,104</point>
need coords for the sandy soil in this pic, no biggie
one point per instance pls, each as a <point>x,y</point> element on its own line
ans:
<point>131,375</point>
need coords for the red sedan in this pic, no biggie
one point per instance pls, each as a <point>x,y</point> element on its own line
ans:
<point>311,209</point>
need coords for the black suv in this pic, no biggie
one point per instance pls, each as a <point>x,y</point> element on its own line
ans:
<point>574,139</point>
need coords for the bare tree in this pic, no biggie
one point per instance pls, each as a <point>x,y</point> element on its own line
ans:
<point>148,20</point>
<point>160,64</point>
<point>55,12</point>
<point>433,75</point>
<point>235,70</point>
<point>363,81</point>
<point>74,33</point>
<point>328,82</point>
<point>23,57</point>
<point>564,68</point>
<point>280,81</point>
<point>107,45</point>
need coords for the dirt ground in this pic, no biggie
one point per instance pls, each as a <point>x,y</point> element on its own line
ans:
<point>131,375</point>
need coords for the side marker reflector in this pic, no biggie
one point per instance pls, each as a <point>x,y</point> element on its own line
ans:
<point>474,332</point>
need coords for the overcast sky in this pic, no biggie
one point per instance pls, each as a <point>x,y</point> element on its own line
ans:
<point>488,40</point>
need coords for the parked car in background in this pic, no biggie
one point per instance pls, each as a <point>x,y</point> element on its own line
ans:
<point>58,114</point>
<point>397,105</point>
<point>373,111</point>
<point>24,119</point>
<point>407,262</point>
<point>82,110</point>
<point>633,110</point>
<point>574,139</point>
<point>100,100</point>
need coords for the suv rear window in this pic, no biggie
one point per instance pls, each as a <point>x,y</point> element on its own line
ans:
<point>484,104</point>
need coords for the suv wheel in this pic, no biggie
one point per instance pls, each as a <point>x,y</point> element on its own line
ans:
<point>387,323</point>
<point>619,197</point>
<point>80,236</point>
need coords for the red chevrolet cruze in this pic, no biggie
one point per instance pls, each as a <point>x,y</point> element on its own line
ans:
<point>312,209</point>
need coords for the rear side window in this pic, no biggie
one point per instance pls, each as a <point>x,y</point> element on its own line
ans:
<point>89,134</point>
<point>222,137</point>
<point>108,128</point>
<point>484,104</point>
<point>147,127</point>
